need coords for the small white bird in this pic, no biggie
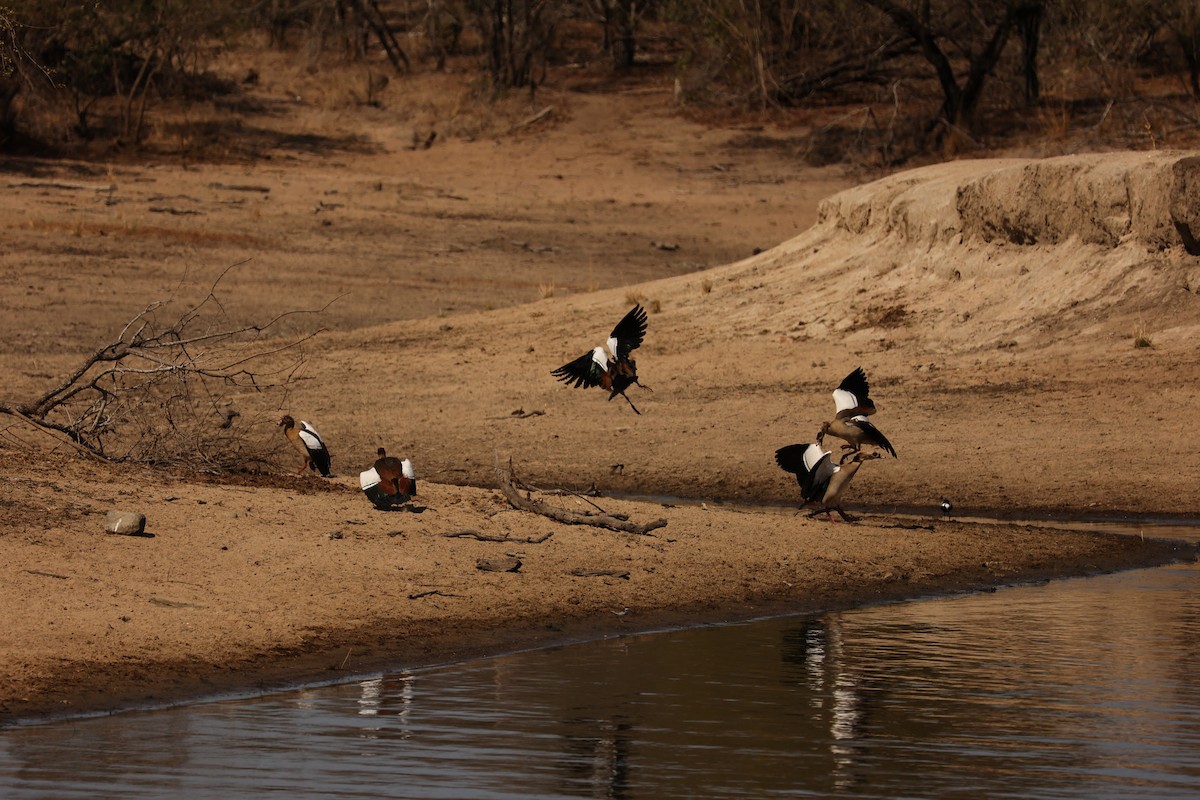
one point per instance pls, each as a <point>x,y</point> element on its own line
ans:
<point>854,405</point>
<point>309,444</point>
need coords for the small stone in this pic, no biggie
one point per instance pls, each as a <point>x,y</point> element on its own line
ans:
<point>128,523</point>
<point>505,564</point>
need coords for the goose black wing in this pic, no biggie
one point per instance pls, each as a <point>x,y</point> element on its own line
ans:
<point>874,436</point>
<point>812,466</point>
<point>629,332</point>
<point>852,397</point>
<point>582,372</point>
<point>315,445</point>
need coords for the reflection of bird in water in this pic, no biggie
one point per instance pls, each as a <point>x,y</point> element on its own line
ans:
<point>615,370</point>
<point>854,405</point>
<point>820,479</point>
<point>947,507</point>
<point>309,444</point>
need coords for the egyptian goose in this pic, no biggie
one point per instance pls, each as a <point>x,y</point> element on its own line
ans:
<point>309,444</point>
<point>614,370</point>
<point>854,405</point>
<point>820,479</point>
<point>389,481</point>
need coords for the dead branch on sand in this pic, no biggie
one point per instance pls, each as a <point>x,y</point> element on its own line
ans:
<point>520,413</point>
<point>432,593</point>
<point>597,519</point>
<point>469,533</point>
<point>623,574</point>
<point>161,392</point>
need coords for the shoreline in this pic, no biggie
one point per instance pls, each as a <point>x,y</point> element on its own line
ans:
<point>400,638</point>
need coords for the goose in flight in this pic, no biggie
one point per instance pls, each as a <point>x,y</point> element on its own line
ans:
<point>853,405</point>
<point>614,370</point>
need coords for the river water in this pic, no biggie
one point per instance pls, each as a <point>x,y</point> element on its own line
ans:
<point>1083,688</point>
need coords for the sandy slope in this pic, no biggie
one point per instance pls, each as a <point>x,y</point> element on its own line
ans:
<point>994,304</point>
<point>1005,374</point>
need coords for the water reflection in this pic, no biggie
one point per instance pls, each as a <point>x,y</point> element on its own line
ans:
<point>1081,688</point>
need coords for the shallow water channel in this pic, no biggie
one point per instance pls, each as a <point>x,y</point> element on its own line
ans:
<point>1085,688</point>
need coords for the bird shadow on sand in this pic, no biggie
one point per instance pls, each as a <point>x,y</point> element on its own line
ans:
<point>408,508</point>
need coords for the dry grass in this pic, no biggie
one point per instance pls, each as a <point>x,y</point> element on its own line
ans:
<point>1141,338</point>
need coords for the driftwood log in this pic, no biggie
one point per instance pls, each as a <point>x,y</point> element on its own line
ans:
<point>470,533</point>
<point>597,519</point>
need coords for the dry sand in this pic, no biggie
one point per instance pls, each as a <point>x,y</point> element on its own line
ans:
<point>994,304</point>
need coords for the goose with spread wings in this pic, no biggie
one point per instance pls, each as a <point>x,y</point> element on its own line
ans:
<point>854,404</point>
<point>821,480</point>
<point>614,369</point>
<point>390,481</point>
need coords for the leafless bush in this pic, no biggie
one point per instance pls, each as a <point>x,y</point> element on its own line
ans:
<point>167,388</point>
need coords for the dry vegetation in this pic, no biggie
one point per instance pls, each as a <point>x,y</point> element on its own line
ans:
<point>876,82</point>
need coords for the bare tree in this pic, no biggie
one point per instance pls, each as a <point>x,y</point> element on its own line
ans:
<point>974,33</point>
<point>165,392</point>
<point>517,36</point>
<point>1181,19</point>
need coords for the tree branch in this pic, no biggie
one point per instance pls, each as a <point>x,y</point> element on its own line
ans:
<point>566,516</point>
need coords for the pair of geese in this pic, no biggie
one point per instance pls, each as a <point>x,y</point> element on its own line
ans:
<point>391,480</point>
<point>821,480</point>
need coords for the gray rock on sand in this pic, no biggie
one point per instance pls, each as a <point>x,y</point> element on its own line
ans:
<point>125,522</point>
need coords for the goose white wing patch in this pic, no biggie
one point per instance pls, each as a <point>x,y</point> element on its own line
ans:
<point>368,479</point>
<point>599,357</point>
<point>407,468</point>
<point>812,456</point>
<point>844,400</point>
<point>308,434</point>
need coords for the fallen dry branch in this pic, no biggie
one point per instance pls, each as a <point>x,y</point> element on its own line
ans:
<point>41,574</point>
<point>520,413</point>
<point>432,593</point>
<point>596,519</point>
<point>578,572</point>
<point>468,533</point>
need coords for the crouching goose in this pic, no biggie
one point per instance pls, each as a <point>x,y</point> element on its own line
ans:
<point>854,405</point>
<point>820,479</point>
<point>614,370</point>
<point>389,481</point>
<point>309,444</point>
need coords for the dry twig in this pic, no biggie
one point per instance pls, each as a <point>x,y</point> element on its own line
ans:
<point>159,392</point>
<point>595,519</point>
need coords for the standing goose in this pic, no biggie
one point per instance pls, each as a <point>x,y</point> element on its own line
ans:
<point>820,479</point>
<point>389,481</point>
<point>309,444</point>
<point>854,405</point>
<point>614,370</point>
